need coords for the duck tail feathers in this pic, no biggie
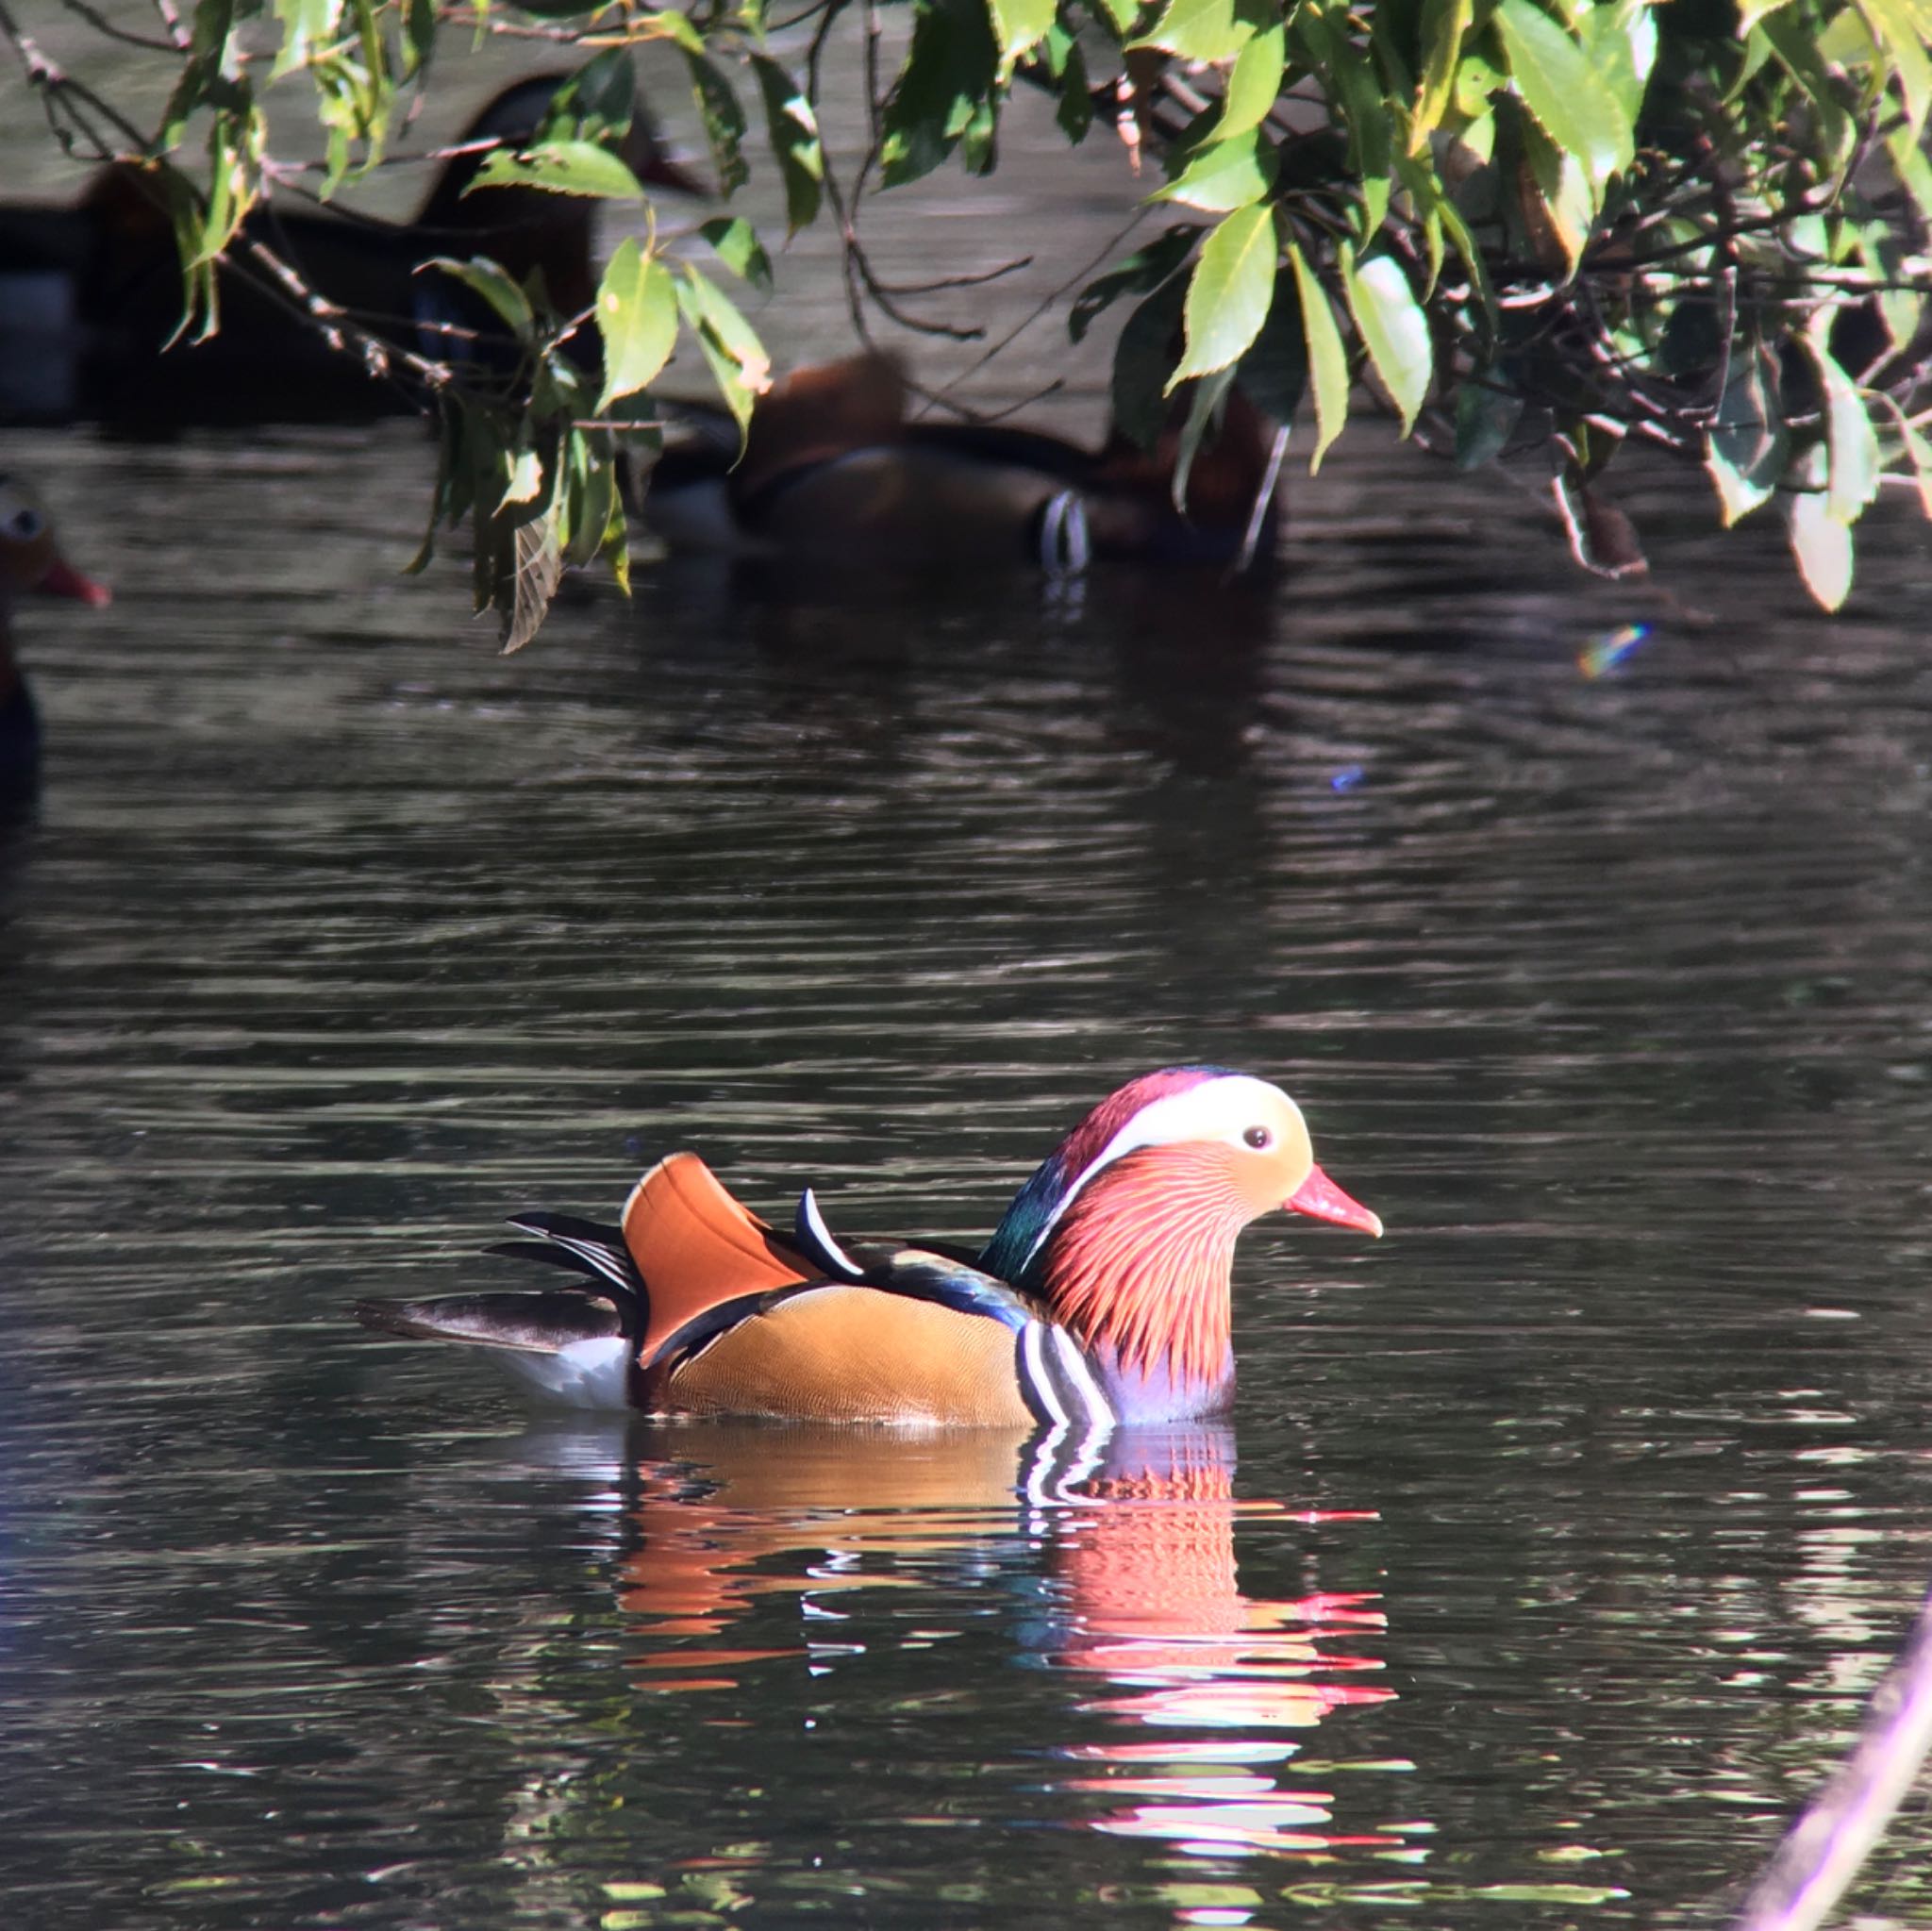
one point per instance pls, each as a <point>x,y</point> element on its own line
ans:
<point>584,1247</point>
<point>538,1323</point>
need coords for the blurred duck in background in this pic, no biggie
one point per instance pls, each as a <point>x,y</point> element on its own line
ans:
<point>90,291</point>
<point>833,472</point>
<point>30,562</point>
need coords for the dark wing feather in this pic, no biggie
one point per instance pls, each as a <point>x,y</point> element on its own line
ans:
<point>586,1247</point>
<point>526,1323</point>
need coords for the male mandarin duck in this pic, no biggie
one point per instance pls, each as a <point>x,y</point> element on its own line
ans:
<point>91,292</point>
<point>30,562</point>
<point>832,470</point>
<point>1103,1297</point>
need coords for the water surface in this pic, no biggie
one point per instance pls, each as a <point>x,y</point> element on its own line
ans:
<point>1556,1539</point>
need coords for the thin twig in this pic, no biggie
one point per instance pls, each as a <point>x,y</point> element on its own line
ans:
<point>108,30</point>
<point>1823,1851</point>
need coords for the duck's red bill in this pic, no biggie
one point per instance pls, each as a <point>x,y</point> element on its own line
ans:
<point>1319,1198</point>
<point>63,581</point>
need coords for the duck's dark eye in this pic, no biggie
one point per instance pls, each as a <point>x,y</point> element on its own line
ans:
<point>1259,1137</point>
<point>24,526</point>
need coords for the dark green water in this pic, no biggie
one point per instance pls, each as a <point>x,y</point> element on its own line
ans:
<point>1557,1536</point>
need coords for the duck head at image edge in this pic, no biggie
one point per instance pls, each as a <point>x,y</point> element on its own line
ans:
<point>90,291</point>
<point>833,473</point>
<point>30,564</point>
<point>1103,1297</point>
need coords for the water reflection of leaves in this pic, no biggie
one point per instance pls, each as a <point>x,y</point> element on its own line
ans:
<point>1132,1540</point>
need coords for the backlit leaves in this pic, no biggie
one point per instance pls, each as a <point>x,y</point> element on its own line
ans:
<point>942,91</point>
<point>1520,214</point>
<point>1745,451</point>
<point>1571,102</point>
<point>1327,358</point>
<point>1019,25</point>
<point>561,167</point>
<point>637,319</point>
<point>1227,299</point>
<point>1392,328</point>
<point>1197,30</point>
<point>793,132</point>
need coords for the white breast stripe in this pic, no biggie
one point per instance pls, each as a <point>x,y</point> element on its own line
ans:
<point>1039,1380</point>
<point>1073,1361</point>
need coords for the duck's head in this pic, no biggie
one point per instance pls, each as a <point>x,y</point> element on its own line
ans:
<point>31,559</point>
<point>1127,1229</point>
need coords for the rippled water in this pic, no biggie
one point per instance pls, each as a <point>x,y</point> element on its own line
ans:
<point>1557,1537</point>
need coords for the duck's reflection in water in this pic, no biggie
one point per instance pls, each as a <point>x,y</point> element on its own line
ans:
<point>1192,1696</point>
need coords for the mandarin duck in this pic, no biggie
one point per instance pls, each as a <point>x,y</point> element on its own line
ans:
<point>833,472</point>
<point>91,292</point>
<point>30,562</point>
<point>1103,1297</point>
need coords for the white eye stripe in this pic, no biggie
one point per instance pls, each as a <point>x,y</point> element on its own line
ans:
<point>1219,1108</point>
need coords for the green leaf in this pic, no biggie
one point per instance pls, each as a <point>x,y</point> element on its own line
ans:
<point>1821,542</point>
<point>1018,26</point>
<point>419,39</point>
<point>1393,327</point>
<point>1142,356</point>
<point>735,244</point>
<point>1203,414</point>
<point>636,318</point>
<point>1228,296</point>
<point>1797,53</point>
<point>1487,414</point>
<point>724,121</point>
<point>1197,30</point>
<point>561,167</point>
<point>1602,538</point>
<point>1563,202</point>
<point>1357,97</point>
<point>1914,170</point>
<point>793,132</point>
<point>1619,39</point>
<point>1273,374</point>
<point>948,74</point>
<point>1904,38</point>
<point>1571,102</point>
<point>305,24</point>
<point>1228,176</point>
<point>1074,113</point>
<point>1139,274</point>
<point>1443,24</point>
<point>495,284</point>
<point>730,344</point>
<point>597,102</point>
<point>668,26</point>
<point>535,571</point>
<point>1253,83</point>
<point>1327,358</point>
<point>1851,443</point>
<point>1746,448</point>
<point>1920,452</point>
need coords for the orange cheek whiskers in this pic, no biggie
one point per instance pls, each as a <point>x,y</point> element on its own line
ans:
<point>1140,1262</point>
